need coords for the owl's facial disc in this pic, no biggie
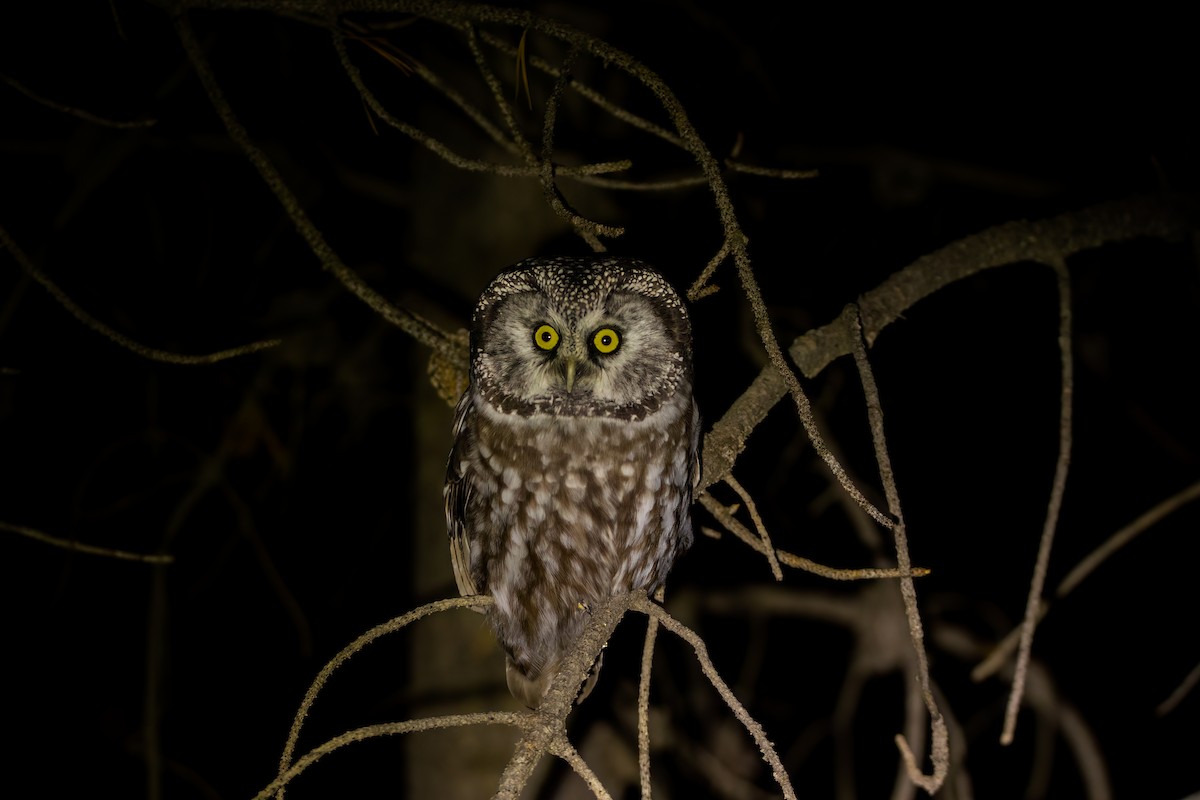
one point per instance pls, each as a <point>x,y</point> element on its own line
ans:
<point>577,338</point>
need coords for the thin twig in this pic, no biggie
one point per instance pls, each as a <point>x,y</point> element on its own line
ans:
<point>524,149</point>
<point>276,787</point>
<point>379,631</point>
<point>209,475</point>
<point>248,529</point>
<point>588,93</point>
<point>1054,507</point>
<point>867,573</point>
<point>803,405</point>
<point>700,287</point>
<point>771,172</point>
<point>903,788</point>
<point>660,185</point>
<point>997,657</point>
<point>940,749</point>
<point>590,230</point>
<point>563,748</point>
<point>414,325</point>
<point>640,603</point>
<point>439,148</point>
<point>584,174</point>
<point>435,146</point>
<point>1124,536</point>
<point>87,319</point>
<point>87,116</point>
<point>1181,691</point>
<point>731,523</point>
<point>767,548</point>
<point>1089,756</point>
<point>90,549</point>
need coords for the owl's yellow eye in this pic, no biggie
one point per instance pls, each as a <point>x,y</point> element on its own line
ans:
<point>606,340</point>
<point>545,337</point>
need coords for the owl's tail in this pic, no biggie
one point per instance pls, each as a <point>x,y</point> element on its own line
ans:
<point>530,689</point>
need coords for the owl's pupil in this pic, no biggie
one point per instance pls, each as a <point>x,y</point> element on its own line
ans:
<point>606,340</point>
<point>545,336</point>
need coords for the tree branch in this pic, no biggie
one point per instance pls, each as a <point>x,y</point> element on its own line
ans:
<point>1010,243</point>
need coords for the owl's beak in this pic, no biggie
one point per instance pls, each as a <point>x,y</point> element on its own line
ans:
<point>570,374</point>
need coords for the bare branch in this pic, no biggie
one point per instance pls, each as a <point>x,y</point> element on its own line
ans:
<point>940,751</point>
<point>90,549</point>
<point>562,748</point>
<point>1054,508</point>
<point>414,325</point>
<point>767,548</point>
<point>391,626</point>
<point>1085,567</point>
<point>1181,691</point>
<point>588,229</point>
<point>867,573</point>
<point>1013,242</point>
<point>1087,752</point>
<point>725,516</point>
<point>771,172</point>
<point>87,319</point>
<point>701,287</point>
<point>524,149</point>
<point>87,116</point>
<point>1124,536</point>
<point>654,611</point>
<point>276,787</point>
<point>588,93</point>
<point>803,406</point>
<point>439,148</point>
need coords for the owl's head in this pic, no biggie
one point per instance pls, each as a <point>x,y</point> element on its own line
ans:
<point>598,337</point>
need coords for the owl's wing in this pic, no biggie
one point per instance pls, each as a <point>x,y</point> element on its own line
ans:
<point>694,466</point>
<point>457,494</point>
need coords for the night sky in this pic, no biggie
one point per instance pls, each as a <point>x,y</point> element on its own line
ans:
<point>297,488</point>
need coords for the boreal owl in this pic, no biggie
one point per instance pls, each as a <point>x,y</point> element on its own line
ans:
<point>575,452</point>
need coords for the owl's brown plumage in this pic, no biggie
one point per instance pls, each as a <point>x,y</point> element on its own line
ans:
<point>575,451</point>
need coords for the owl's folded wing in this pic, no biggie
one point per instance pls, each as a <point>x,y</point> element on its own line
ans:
<point>694,472</point>
<point>457,495</point>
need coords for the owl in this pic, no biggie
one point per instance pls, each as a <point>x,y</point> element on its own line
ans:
<point>575,452</point>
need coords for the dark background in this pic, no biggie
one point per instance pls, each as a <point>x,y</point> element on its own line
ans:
<point>284,485</point>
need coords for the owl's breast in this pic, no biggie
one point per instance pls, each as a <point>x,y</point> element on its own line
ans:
<point>589,505</point>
